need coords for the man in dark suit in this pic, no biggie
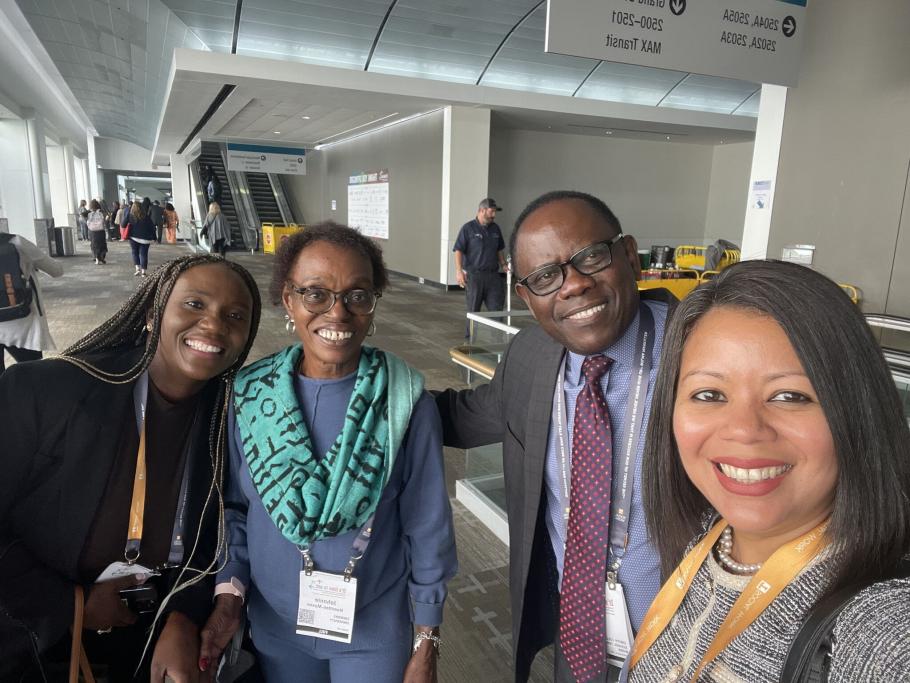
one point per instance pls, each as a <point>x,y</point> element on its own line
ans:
<point>577,272</point>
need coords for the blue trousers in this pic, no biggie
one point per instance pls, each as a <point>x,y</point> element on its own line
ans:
<point>320,661</point>
<point>379,652</point>
<point>140,254</point>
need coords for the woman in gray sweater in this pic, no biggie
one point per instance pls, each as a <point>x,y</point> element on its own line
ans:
<point>777,441</point>
<point>217,229</point>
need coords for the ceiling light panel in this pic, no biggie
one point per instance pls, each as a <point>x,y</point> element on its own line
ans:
<point>445,40</point>
<point>522,63</point>
<point>336,33</point>
<point>629,83</point>
<point>709,93</point>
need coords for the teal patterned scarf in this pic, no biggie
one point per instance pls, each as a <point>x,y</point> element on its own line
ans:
<point>309,498</point>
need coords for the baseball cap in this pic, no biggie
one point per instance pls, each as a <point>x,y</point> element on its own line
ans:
<point>488,203</point>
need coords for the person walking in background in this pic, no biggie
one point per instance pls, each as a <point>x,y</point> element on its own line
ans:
<point>479,256</point>
<point>217,230</point>
<point>81,218</point>
<point>24,332</point>
<point>122,219</point>
<point>112,220</point>
<point>156,213</point>
<point>141,232</point>
<point>172,222</point>
<point>212,186</point>
<point>95,223</point>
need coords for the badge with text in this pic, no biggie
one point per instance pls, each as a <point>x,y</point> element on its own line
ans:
<point>619,628</point>
<point>326,608</point>
<point>116,570</point>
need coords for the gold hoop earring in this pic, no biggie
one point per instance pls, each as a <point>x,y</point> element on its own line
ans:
<point>372,329</point>
<point>289,324</point>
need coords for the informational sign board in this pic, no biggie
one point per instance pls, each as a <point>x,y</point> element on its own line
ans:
<point>368,203</point>
<point>752,40</point>
<point>266,159</point>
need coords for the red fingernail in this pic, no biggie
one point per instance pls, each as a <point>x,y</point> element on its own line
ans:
<point>203,664</point>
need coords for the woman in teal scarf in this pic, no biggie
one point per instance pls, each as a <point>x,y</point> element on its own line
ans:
<point>339,525</point>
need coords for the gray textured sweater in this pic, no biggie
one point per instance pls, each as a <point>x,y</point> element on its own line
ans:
<point>872,635</point>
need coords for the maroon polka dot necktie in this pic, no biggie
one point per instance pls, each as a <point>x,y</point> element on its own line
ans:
<point>582,629</point>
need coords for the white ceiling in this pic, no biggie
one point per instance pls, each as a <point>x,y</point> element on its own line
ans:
<point>270,99</point>
<point>116,56</point>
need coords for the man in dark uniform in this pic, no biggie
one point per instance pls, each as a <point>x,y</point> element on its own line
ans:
<point>479,255</point>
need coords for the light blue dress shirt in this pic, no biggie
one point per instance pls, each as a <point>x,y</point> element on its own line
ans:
<point>639,573</point>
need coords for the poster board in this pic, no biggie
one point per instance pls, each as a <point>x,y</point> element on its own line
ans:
<point>368,203</point>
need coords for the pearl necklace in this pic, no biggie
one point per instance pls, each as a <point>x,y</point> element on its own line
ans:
<point>723,548</point>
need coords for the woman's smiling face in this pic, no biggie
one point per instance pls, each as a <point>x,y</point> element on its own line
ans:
<point>751,433</point>
<point>204,329</point>
<point>331,340</point>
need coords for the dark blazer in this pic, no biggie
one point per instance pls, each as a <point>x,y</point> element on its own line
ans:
<point>515,408</point>
<point>60,438</point>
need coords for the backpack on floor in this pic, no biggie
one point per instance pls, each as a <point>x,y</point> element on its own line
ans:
<point>15,292</point>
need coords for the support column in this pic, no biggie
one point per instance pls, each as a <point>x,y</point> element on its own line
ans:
<point>17,200</point>
<point>180,189</point>
<point>38,161</point>
<point>763,178</point>
<point>68,161</point>
<point>465,176</point>
<point>92,170</point>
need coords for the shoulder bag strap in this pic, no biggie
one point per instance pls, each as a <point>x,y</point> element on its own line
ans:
<point>78,659</point>
<point>809,657</point>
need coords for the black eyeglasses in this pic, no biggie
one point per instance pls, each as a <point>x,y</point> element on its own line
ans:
<point>320,300</point>
<point>592,259</point>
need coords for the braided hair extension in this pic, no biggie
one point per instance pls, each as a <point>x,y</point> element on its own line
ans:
<point>127,328</point>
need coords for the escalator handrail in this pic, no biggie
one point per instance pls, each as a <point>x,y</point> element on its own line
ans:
<point>889,322</point>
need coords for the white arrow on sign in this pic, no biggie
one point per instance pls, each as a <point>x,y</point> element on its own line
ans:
<point>789,26</point>
<point>677,6</point>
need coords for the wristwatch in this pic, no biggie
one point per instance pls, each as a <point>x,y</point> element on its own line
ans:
<point>424,635</point>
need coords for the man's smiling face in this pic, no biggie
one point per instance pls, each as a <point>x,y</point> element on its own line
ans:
<point>589,312</point>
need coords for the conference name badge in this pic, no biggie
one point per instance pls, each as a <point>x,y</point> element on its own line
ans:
<point>326,606</point>
<point>117,570</point>
<point>619,628</point>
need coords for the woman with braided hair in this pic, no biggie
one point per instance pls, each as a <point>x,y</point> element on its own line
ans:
<point>113,461</point>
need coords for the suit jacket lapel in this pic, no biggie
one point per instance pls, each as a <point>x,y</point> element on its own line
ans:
<point>92,445</point>
<point>540,409</point>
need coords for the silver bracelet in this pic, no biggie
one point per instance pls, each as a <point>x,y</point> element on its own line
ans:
<point>422,636</point>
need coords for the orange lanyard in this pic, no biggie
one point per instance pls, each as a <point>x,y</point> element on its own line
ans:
<point>137,506</point>
<point>780,569</point>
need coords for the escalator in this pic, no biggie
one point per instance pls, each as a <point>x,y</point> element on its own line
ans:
<point>211,157</point>
<point>896,350</point>
<point>247,199</point>
<point>264,198</point>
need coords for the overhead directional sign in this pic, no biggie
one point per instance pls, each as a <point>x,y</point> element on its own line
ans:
<point>266,159</point>
<point>753,40</point>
